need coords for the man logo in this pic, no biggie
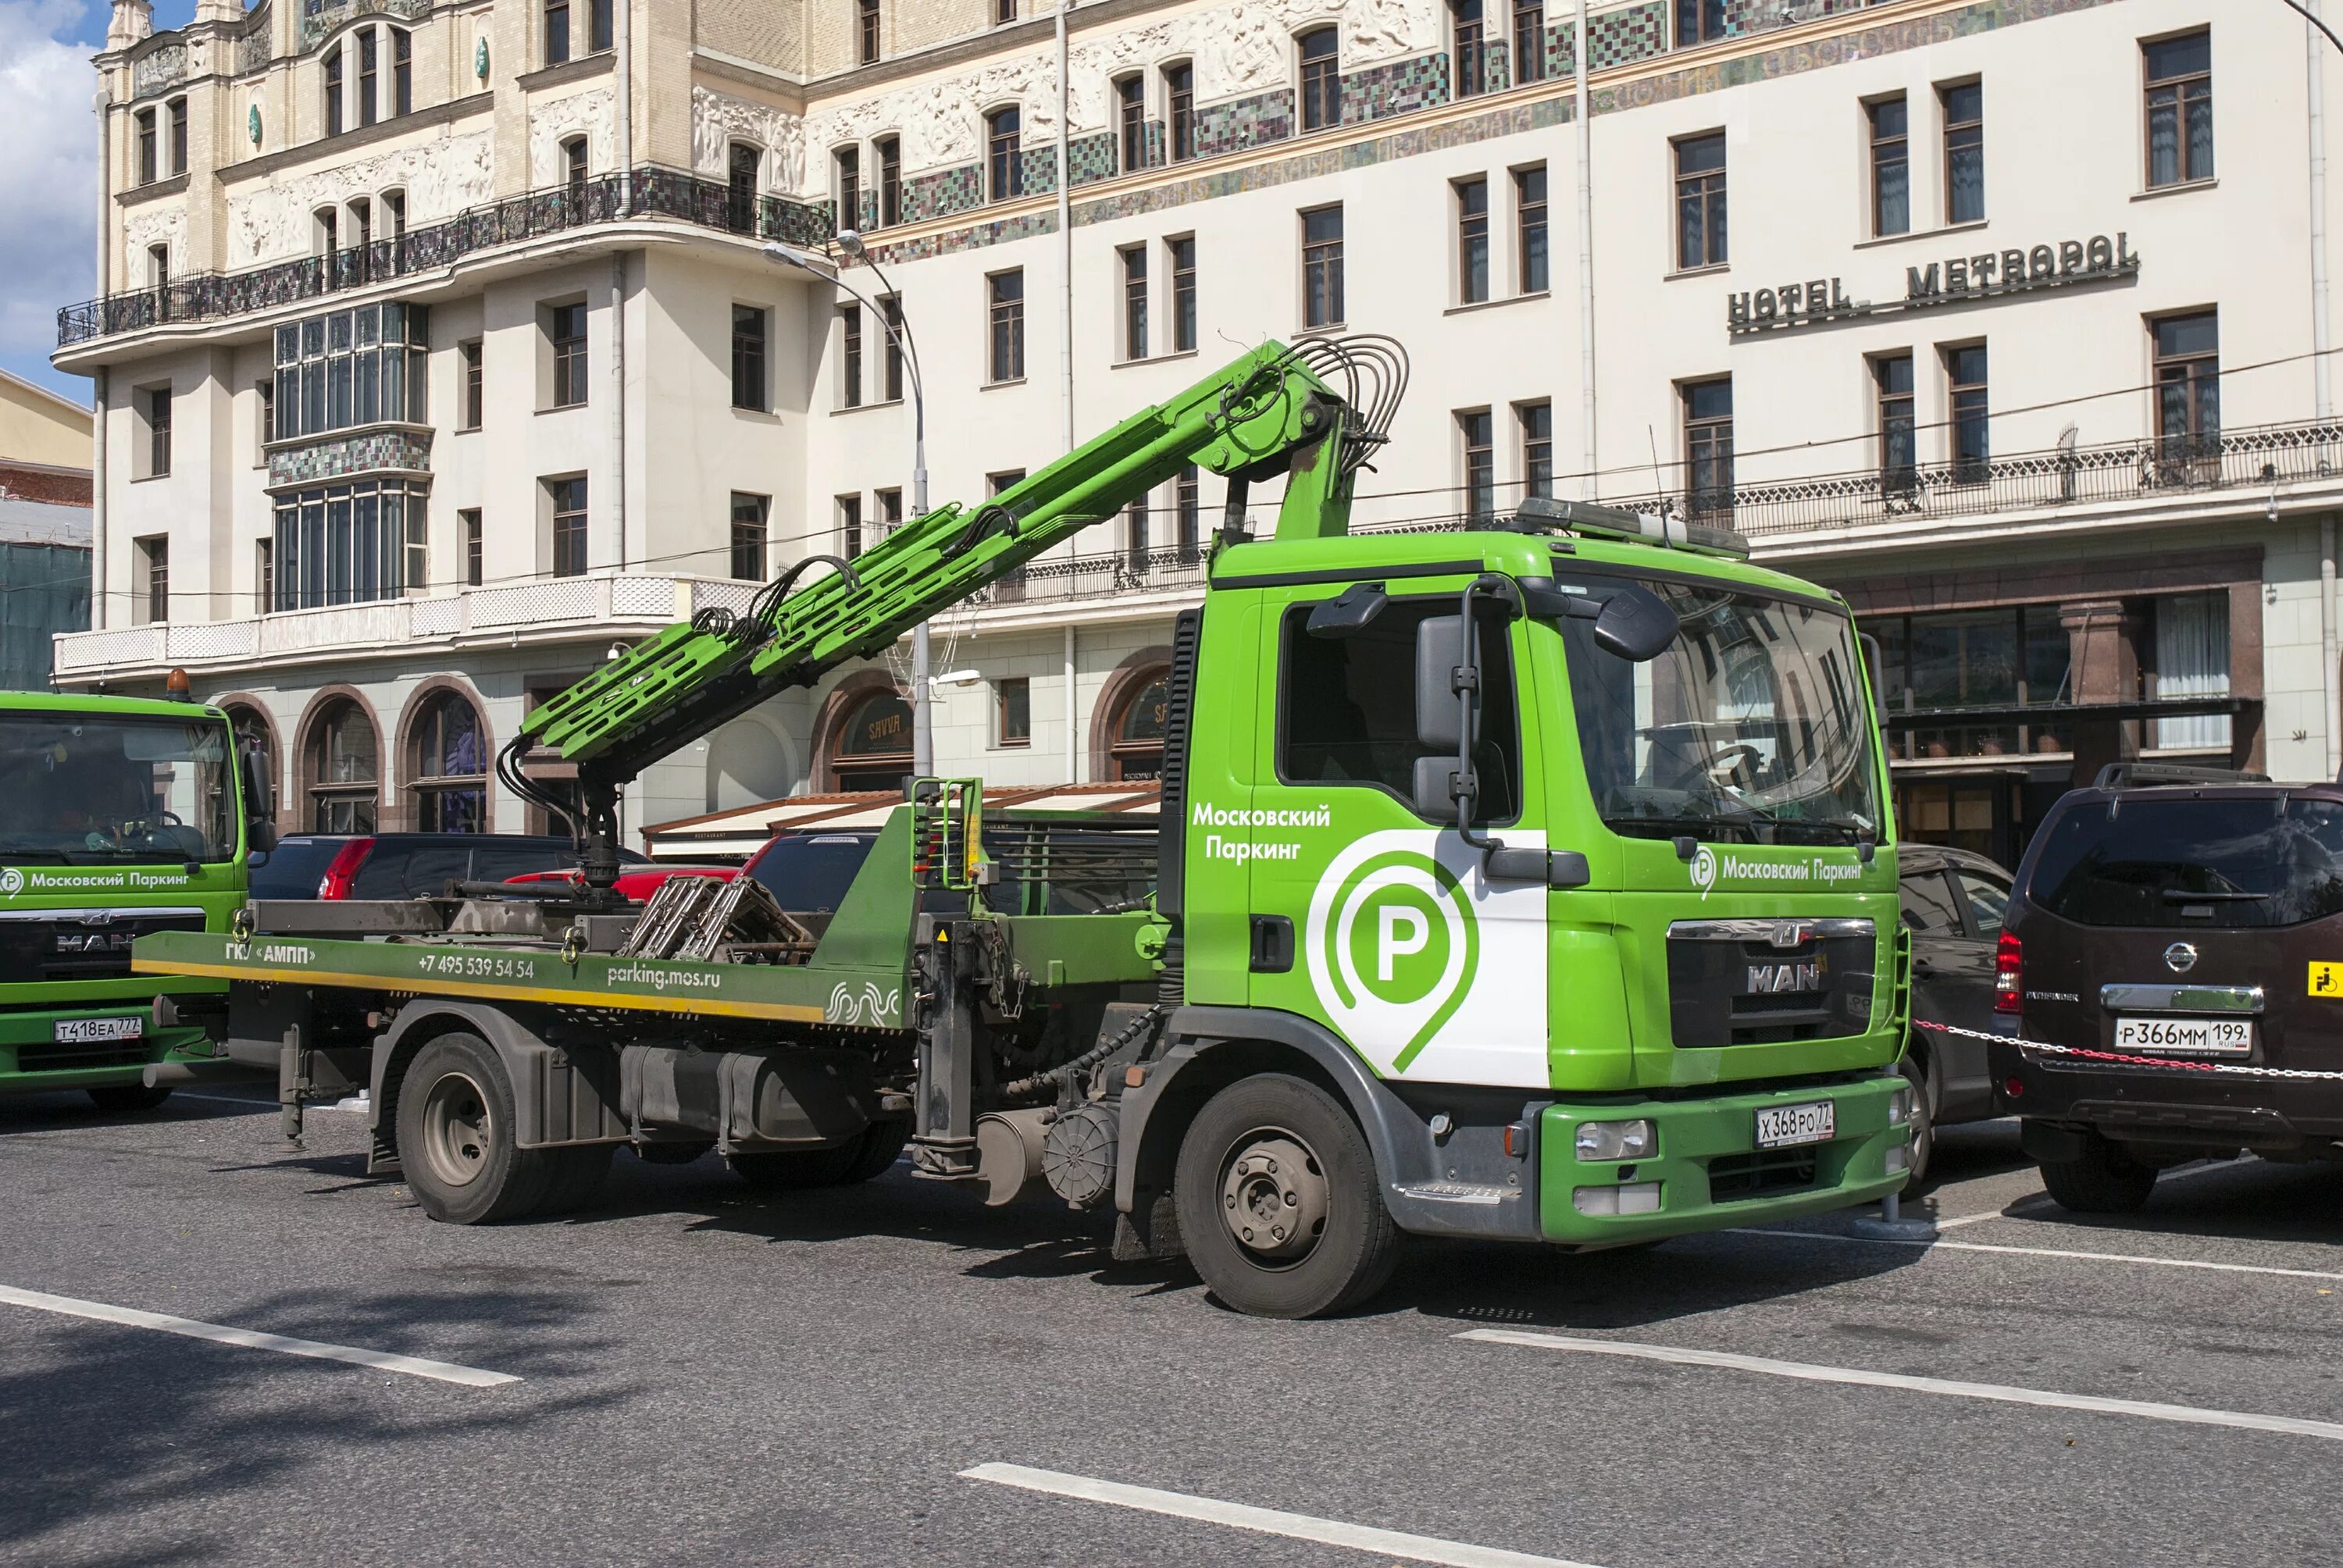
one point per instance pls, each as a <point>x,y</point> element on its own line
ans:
<point>12,882</point>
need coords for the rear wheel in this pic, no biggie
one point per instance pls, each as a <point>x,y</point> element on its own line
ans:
<point>456,1136</point>
<point>867,1154</point>
<point>2103,1181</point>
<point>126,1098</point>
<point>1279,1201</point>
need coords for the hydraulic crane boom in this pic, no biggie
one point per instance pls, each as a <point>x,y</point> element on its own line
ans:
<point>1273,410</point>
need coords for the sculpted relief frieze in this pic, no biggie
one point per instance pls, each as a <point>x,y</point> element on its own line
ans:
<point>551,123</point>
<point>441,178</point>
<point>718,119</point>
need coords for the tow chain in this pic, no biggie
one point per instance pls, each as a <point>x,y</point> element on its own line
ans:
<point>2228,1069</point>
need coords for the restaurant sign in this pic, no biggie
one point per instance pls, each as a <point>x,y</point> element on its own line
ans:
<point>1988,275</point>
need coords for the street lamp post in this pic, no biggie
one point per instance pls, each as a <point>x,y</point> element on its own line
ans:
<point>923,749</point>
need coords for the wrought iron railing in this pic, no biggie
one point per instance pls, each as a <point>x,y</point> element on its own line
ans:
<point>1168,569</point>
<point>651,192</point>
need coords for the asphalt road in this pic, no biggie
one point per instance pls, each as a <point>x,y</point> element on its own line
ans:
<point>703,1375</point>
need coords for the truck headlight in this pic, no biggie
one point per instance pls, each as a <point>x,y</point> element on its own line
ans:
<point>1899,1107</point>
<point>1634,1198</point>
<point>1600,1140</point>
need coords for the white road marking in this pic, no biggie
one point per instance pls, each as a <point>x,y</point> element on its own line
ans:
<point>1955,1224</point>
<point>2190,1414</point>
<point>381,1360</point>
<point>225,1099</point>
<point>2047,1252</point>
<point>1267,1521</point>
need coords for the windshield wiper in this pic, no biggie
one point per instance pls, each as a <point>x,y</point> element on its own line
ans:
<point>2176,896</point>
<point>55,857</point>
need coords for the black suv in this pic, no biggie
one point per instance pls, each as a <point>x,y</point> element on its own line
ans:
<point>2175,954</point>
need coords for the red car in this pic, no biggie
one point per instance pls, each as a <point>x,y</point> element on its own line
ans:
<point>638,883</point>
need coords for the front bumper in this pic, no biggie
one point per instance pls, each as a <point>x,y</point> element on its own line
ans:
<point>1708,1168</point>
<point>32,1059</point>
<point>2162,1104</point>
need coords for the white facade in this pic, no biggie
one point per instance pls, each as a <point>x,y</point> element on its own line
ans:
<point>2097,548</point>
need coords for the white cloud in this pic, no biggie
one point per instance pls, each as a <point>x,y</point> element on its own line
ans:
<point>48,176</point>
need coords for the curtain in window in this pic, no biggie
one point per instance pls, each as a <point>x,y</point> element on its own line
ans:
<point>2192,660</point>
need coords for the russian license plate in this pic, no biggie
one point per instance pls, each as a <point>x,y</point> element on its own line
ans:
<point>1787,1125</point>
<point>2199,1036</point>
<point>84,1030</point>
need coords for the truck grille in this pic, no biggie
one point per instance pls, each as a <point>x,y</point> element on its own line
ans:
<point>1765,981</point>
<point>90,1053</point>
<point>81,944</point>
<point>1735,1177</point>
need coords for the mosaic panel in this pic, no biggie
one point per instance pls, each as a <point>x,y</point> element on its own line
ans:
<point>1092,157</point>
<point>1623,37</point>
<point>866,216</point>
<point>1560,45</point>
<point>252,50</point>
<point>1243,123</point>
<point>320,17</point>
<point>1394,88</point>
<point>943,192</point>
<point>161,69</point>
<point>1040,166</point>
<point>368,452</point>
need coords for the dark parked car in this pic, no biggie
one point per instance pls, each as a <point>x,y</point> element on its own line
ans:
<point>407,865</point>
<point>1953,906</point>
<point>2175,940</point>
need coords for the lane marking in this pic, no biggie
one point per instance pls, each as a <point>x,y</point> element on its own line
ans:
<point>1956,1224</point>
<point>2026,1208</point>
<point>2188,1414</point>
<point>225,1099</point>
<point>1266,1521</point>
<point>2047,1252</point>
<point>218,1333</point>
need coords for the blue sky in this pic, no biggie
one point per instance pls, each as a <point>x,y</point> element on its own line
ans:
<point>48,183</point>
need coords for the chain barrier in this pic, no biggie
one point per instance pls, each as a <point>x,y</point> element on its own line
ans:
<point>2227,1069</point>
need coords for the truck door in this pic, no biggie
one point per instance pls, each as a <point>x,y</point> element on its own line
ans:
<point>1367,917</point>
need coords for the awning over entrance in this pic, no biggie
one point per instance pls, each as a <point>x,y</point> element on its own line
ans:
<point>736,834</point>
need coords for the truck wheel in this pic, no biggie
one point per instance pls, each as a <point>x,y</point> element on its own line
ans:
<point>126,1098</point>
<point>456,1131</point>
<point>1920,1075</point>
<point>577,1176</point>
<point>867,1154</point>
<point>2105,1181</point>
<point>881,1147</point>
<point>1279,1201</point>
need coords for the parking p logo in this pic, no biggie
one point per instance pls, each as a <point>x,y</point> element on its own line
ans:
<point>1393,945</point>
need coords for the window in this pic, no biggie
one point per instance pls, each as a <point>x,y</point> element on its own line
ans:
<point>451,768</point>
<point>743,165</point>
<point>467,522</point>
<point>334,91</point>
<point>1891,166</point>
<point>890,362</point>
<point>1180,109</point>
<point>1134,301</point>
<point>343,765</point>
<point>1708,446</point>
<point>155,575</point>
<point>1135,744</point>
<point>1012,711</point>
<point>849,360</point>
<point>866,23</point>
<point>890,515</point>
<point>2192,660</point>
<point>749,514</point>
<point>263,575</point>
<point>2188,387</point>
<point>394,208</point>
<point>557,31</point>
<point>352,367</point>
<point>1004,154</point>
<point>1965,372</point>
<point>1700,202</point>
<point>1182,254</point>
<point>415,570</point>
<point>265,402</point>
<point>1350,706</point>
<point>849,525</point>
<point>1188,512</point>
<point>1899,453</point>
<point>1536,421</point>
<point>326,225</point>
<point>1134,537</point>
<point>178,112</point>
<point>1006,480</point>
<point>1529,211</point>
<point>369,77</point>
<point>1472,241</point>
<point>1131,121</point>
<point>1004,11</point>
<point>849,187</point>
<point>2180,109</point>
<point>1529,40</point>
<point>566,501</point>
<point>1928,904</point>
<point>1322,78</point>
<point>1964,110</point>
<point>346,543</point>
<point>158,270</point>
<point>891,181</point>
<point>871,747</point>
<point>150,168</point>
<point>2008,657</point>
<point>402,72</point>
<point>1475,432</point>
<point>1699,22</point>
<point>1006,312</point>
<point>603,31</point>
<point>1321,267</point>
<point>565,332</point>
<point>573,168</point>
<point>468,357</point>
<point>1472,48</point>
<point>156,404</point>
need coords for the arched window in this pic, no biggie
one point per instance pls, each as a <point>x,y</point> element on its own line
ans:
<point>448,769</point>
<point>343,769</point>
<point>871,747</point>
<point>573,168</point>
<point>1322,78</point>
<point>255,744</point>
<point>744,164</point>
<point>1004,152</point>
<point>1135,738</point>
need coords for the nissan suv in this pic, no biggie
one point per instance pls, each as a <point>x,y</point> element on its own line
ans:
<point>2172,961</point>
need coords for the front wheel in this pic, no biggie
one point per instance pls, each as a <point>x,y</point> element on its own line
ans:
<point>1279,1202</point>
<point>457,1136</point>
<point>2105,1181</point>
<point>127,1098</point>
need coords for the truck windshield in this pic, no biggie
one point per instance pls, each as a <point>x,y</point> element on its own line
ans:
<point>1751,729</point>
<point>85,790</point>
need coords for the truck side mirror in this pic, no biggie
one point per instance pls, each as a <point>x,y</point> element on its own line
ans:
<point>259,778</point>
<point>1349,614</point>
<point>1434,794</point>
<point>1439,640</point>
<point>1635,624</point>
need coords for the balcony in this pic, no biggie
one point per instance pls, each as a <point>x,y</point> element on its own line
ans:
<point>650,192</point>
<point>553,610</point>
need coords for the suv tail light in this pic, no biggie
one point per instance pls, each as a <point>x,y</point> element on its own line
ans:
<point>2009,975</point>
<point>344,869</point>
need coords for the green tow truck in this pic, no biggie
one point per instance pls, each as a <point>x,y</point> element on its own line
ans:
<point>119,817</point>
<point>1521,882</point>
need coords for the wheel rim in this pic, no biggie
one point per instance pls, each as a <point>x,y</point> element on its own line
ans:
<point>1273,1196</point>
<point>458,1129</point>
